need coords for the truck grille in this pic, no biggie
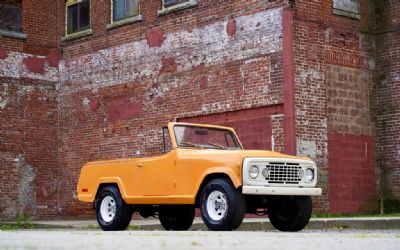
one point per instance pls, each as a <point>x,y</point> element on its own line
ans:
<point>283,173</point>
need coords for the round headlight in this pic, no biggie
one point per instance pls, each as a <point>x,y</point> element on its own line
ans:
<point>253,172</point>
<point>265,173</point>
<point>309,174</point>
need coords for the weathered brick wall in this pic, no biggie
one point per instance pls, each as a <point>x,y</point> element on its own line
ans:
<point>28,148</point>
<point>322,39</point>
<point>114,101</point>
<point>28,135</point>
<point>387,102</point>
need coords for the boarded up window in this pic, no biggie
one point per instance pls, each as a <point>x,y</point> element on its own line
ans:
<point>350,8</point>
<point>11,16</point>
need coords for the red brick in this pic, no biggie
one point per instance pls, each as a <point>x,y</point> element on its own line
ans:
<point>34,64</point>
<point>155,37</point>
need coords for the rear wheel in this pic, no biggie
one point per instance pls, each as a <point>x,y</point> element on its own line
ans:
<point>112,212</point>
<point>222,206</point>
<point>177,218</point>
<point>290,213</point>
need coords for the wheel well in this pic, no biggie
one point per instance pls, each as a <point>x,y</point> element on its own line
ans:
<point>102,185</point>
<point>207,179</point>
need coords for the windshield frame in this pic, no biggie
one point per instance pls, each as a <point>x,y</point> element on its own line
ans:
<point>235,139</point>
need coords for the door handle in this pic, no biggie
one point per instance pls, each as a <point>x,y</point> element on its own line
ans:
<point>139,164</point>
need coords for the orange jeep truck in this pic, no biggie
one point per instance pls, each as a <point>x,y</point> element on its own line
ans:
<point>206,167</point>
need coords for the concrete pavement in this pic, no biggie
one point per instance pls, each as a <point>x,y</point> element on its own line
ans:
<point>188,240</point>
<point>249,224</point>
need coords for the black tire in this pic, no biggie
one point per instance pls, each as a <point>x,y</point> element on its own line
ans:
<point>123,212</point>
<point>235,205</point>
<point>176,217</point>
<point>290,213</point>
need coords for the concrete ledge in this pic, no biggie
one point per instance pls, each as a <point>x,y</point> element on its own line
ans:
<point>12,34</point>
<point>177,7</point>
<point>77,35</point>
<point>249,224</point>
<point>125,21</point>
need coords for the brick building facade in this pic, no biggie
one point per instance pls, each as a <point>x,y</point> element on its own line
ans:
<point>313,78</point>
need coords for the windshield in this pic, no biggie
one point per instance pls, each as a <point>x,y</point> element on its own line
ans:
<point>203,137</point>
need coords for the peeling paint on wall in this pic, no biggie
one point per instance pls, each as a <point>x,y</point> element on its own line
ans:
<point>256,35</point>
<point>307,148</point>
<point>26,191</point>
<point>4,95</point>
<point>13,67</point>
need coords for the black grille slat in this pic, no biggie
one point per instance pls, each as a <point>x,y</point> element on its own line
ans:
<point>283,173</point>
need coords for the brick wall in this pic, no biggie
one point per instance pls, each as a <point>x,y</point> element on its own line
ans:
<point>28,150</point>
<point>352,179</point>
<point>387,104</point>
<point>321,40</point>
<point>194,70</point>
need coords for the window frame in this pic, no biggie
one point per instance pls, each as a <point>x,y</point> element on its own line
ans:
<point>346,12</point>
<point>185,5</point>
<point>15,34</point>
<point>70,3</point>
<point>125,17</point>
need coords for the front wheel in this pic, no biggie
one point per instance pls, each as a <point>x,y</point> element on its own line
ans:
<point>177,217</point>
<point>112,212</point>
<point>290,213</point>
<point>222,206</point>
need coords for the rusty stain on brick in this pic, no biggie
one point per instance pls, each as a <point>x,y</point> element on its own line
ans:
<point>199,67</point>
<point>155,37</point>
<point>34,64</point>
<point>203,82</point>
<point>122,108</point>
<point>159,100</point>
<point>53,58</point>
<point>231,27</point>
<point>3,53</point>
<point>94,105</point>
<point>168,65</point>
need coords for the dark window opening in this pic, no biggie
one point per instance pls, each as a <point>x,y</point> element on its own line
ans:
<point>11,16</point>
<point>125,8</point>
<point>78,17</point>
<point>170,3</point>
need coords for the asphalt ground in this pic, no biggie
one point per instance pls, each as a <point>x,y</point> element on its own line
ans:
<point>143,240</point>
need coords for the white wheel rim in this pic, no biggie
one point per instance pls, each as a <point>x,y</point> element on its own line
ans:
<point>108,209</point>
<point>217,205</point>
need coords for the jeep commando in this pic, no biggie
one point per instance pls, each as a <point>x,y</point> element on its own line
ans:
<point>206,167</point>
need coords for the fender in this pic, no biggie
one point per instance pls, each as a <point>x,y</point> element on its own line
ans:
<point>236,180</point>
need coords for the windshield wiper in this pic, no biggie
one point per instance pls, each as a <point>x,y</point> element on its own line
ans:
<point>216,145</point>
<point>188,144</point>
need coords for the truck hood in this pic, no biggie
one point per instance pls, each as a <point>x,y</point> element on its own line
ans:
<point>268,154</point>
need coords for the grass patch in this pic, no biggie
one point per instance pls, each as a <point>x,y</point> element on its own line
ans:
<point>5,227</point>
<point>21,223</point>
<point>92,226</point>
<point>134,227</point>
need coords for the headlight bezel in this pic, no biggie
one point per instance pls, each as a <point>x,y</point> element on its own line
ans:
<point>257,172</point>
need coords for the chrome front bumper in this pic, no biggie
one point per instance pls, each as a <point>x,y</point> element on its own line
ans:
<point>259,190</point>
